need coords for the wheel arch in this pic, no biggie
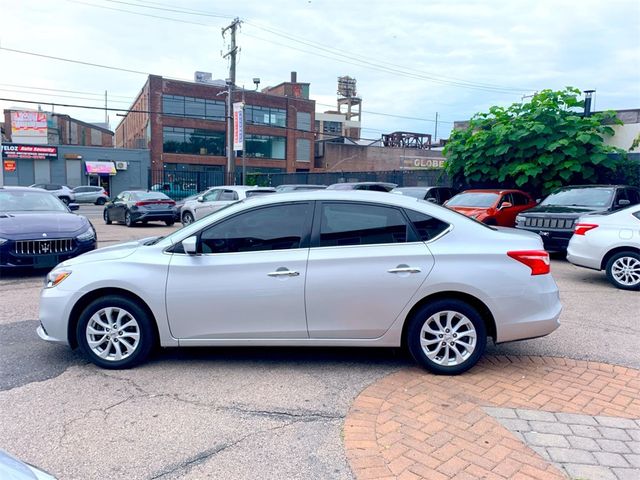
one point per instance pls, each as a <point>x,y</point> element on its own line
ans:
<point>614,251</point>
<point>89,297</point>
<point>474,302</point>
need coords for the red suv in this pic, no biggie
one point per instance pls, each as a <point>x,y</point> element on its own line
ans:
<point>493,207</point>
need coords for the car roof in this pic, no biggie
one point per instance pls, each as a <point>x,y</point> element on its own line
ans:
<point>494,190</point>
<point>596,186</point>
<point>418,188</point>
<point>365,183</point>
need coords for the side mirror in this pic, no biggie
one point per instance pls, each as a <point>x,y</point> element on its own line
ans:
<point>505,205</point>
<point>624,202</point>
<point>432,200</point>
<point>538,200</point>
<point>74,206</point>
<point>190,245</point>
<point>201,198</point>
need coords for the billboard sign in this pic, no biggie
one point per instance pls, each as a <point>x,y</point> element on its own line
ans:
<point>238,126</point>
<point>423,163</point>
<point>28,124</point>
<point>34,152</point>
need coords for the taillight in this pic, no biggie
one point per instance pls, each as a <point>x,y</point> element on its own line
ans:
<point>582,228</point>
<point>536,260</point>
<point>154,202</point>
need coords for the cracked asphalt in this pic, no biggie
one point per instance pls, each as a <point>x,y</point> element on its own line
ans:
<point>230,413</point>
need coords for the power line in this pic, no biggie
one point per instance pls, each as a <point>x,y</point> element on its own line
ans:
<point>392,115</point>
<point>138,13</point>
<point>75,97</point>
<point>31,87</point>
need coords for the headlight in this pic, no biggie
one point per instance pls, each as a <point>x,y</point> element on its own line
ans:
<point>88,235</point>
<point>519,219</point>
<point>55,277</point>
<point>3,241</point>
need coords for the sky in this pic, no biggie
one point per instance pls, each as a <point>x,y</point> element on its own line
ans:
<point>412,59</point>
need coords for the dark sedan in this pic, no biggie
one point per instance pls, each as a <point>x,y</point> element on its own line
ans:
<point>134,206</point>
<point>37,230</point>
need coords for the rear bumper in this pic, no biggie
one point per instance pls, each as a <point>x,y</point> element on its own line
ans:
<point>582,254</point>
<point>553,240</point>
<point>153,216</point>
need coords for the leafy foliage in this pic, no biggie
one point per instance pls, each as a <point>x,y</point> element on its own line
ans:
<point>538,146</point>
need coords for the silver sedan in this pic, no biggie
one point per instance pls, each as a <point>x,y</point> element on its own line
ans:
<point>609,242</point>
<point>319,268</point>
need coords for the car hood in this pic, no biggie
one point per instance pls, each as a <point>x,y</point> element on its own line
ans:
<point>20,225</point>
<point>553,209</point>
<point>470,210</point>
<point>113,252</point>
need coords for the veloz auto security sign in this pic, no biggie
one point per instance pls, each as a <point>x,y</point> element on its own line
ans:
<point>34,152</point>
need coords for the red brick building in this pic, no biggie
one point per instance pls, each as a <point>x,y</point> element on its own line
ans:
<point>183,124</point>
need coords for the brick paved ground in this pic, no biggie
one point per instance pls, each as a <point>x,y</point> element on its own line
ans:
<point>509,417</point>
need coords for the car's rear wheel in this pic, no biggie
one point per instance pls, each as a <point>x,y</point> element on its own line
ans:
<point>101,201</point>
<point>106,217</point>
<point>127,219</point>
<point>447,337</point>
<point>169,222</point>
<point>65,200</point>
<point>187,218</point>
<point>623,270</point>
<point>115,332</point>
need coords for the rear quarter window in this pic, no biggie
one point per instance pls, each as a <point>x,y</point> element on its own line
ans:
<point>428,227</point>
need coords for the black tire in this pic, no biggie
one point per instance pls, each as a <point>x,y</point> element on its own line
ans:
<point>169,222</point>
<point>187,218</point>
<point>127,219</point>
<point>463,312</point>
<point>106,217</point>
<point>65,200</point>
<point>626,259</point>
<point>146,340</point>
<point>101,201</point>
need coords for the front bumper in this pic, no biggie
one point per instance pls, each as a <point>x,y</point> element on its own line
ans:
<point>55,310</point>
<point>10,259</point>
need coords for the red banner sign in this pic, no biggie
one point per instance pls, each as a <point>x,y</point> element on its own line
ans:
<point>35,152</point>
<point>9,165</point>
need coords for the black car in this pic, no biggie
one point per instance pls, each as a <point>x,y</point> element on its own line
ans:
<point>437,195</point>
<point>554,218</point>
<point>373,186</point>
<point>134,206</point>
<point>37,230</point>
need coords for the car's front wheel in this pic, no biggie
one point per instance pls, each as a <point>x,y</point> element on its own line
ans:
<point>65,200</point>
<point>115,332</point>
<point>447,337</point>
<point>623,270</point>
<point>187,218</point>
<point>101,201</point>
<point>169,223</point>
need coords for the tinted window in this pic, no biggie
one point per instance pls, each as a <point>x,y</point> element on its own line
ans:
<point>446,194</point>
<point>279,227</point>
<point>357,224</point>
<point>212,195</point>
<point>633,195</point>
<point>506,198</point>
<point>228,195</point>
<point>149,196</point>
<point>519,199</point>
<point>413,192</point>
<point>426,226</point>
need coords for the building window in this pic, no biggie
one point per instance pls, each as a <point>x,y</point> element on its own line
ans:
<point>193,107</point>
<point>303,121</point>
<point>254,115</point>
<point>192,141</point>
<point>265,146</point>
<point>332,127</point>
<point>303,150</point>
<point>96,137</point>
<point>317,125</point>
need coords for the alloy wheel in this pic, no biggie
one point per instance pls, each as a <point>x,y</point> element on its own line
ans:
<point>448,338</point>
<point>626,271</point>
<point>113,334</point>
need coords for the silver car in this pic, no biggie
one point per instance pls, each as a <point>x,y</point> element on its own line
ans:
<point>63,192</point>
<point>91,194</point>
<point>319,268</point>
<point>609,242</point>
<point>215,198</point>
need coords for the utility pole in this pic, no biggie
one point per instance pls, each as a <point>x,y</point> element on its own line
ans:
<point>233,50</point>
<point>106,116</point>
<point>435,133</point>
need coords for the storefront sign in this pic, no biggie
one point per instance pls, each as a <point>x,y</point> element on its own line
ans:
<point>34,152</point>
<point>29,124</point>
<point>97,168</point>
<point>419,163</point>
<point>238,126</point>
<point>9,165</point>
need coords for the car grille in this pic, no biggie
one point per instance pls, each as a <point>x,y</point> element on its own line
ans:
<point>544,222</point>
<point>44,247</point>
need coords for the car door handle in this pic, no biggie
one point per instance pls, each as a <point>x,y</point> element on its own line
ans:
<point>284,273</point>
<point>404,269</point>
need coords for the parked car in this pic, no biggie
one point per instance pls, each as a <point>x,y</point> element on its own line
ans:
<point>555,217</point>
<point>295,188</point>
<point>177,209</point>
<point>609,242</point>
<point>133,206</point>
<point>91,194</point>
<point>366,269</point>
<point>63,192</point>
<point>37,230</point>
<point>492,207</point>
<point>437,195</point>
<point>217,197</point>
<point>13,469</point>
<point>374,186</point>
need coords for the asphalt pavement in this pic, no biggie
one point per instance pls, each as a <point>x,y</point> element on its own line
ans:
<point>231,412</point>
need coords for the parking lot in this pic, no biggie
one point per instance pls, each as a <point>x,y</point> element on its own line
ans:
<point>232,412</point>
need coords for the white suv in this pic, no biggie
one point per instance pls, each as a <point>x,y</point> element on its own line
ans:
<point>217,197</point>
<point>63,192</point>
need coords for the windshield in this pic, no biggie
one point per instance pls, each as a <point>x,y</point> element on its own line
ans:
<point>25,201</point>
<point>580,197</point>
<point>255,193</point>
<point>476,199</point>
<point>410,192</point>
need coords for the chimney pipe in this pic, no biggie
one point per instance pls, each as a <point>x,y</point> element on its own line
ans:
<point>588,95</point>
<point>294,77</point>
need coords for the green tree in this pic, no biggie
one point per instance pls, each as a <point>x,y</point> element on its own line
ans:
<point>539,145</point>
